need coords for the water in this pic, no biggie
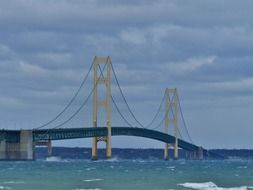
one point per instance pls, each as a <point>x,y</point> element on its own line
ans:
<point>57,174</point>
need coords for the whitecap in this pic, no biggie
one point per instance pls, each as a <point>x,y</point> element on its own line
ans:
<point>172,168</point>
<point>14,182</point>
<point>91,180</point>
<point>88,189</point>
<point>4,188</point>
<point>53,159</point>
<point>200,186</point>
<point>89,169</point>
<point>209,186</point>
<point>113,159</point>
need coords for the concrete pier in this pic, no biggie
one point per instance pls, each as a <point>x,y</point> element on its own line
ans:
<point>200,153</point>
<point>2,150</point>
<point>22,150</point>
<point>26,145</point>
<point>196,155</point>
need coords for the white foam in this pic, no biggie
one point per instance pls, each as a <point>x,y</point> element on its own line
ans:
<point>88,189</point>
<point>53,159</point>
<point>172,168</point>
<point>89,169</point>
<point>113,159</point>
<point>209,186</point>
<point>4,188</point>
<point>91,180</point>
<point>139,160</point>
<point>14,182</point>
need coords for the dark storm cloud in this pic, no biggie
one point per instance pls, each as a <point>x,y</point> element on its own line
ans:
<point>204,48</point>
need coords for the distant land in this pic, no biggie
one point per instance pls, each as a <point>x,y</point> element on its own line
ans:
<point>130,153</point>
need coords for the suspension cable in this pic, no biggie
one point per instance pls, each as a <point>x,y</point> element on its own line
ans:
<point>185,126</point>
<point>79,109</point>
<point>163,120</point>
<point>121,115</point>
<point>70,102</point>
<point>117,108</point>
<point>129,109</point>
<point>114,102</point>
<point>167,111</point>
<point>158,111</point>
<point>121,92</point>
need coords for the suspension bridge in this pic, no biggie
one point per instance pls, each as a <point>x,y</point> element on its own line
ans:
<point>167,125</point>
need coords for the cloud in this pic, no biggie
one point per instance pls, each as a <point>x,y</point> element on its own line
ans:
<point>134,37</point>
<point>5,52</point>
<point>242,85</point>
<point>204,48</point>
<point>190,65</point>
<point>30,69</point>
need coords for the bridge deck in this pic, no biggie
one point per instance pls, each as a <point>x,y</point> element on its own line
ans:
<point>59,134</point>
<point>75,133</point>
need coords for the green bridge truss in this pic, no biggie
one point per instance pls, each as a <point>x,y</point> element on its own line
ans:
<point>76,133</point>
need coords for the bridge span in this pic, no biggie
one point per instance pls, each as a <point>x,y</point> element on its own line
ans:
<point>20,144</point>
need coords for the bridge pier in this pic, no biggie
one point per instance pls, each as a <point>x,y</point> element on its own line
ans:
<point>26,145</point>
<point>166,152</point>
<point>200,153</point>
<point>2,150</point>
<point>22,150</point>
<point>196,155</point>
<point>94,149</point>
<point>176,150</point>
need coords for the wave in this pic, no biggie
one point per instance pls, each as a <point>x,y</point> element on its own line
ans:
<point>89,169</point>
<point>210,186</point>
<point>88,189</point>
<point>91,180</point>
<point>14,182</point>
<point>4,188</point>
<point>53,159</point>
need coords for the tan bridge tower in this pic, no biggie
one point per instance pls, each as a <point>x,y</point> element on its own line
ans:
<point>171,117</point>
<point>106,103</point>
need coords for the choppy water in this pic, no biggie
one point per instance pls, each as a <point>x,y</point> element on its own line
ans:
<point>56,174</point>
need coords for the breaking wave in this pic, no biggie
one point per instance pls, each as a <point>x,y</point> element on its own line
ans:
<point>210,186</point>
<point>91,180</point>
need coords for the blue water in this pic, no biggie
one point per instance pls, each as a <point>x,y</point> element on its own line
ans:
<point>57,174</point>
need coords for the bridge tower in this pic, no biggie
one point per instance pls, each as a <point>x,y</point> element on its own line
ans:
<point>106,103</point>
<point>171,117</point>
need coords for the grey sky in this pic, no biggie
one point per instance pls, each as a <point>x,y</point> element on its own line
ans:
<point>204,48</point>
